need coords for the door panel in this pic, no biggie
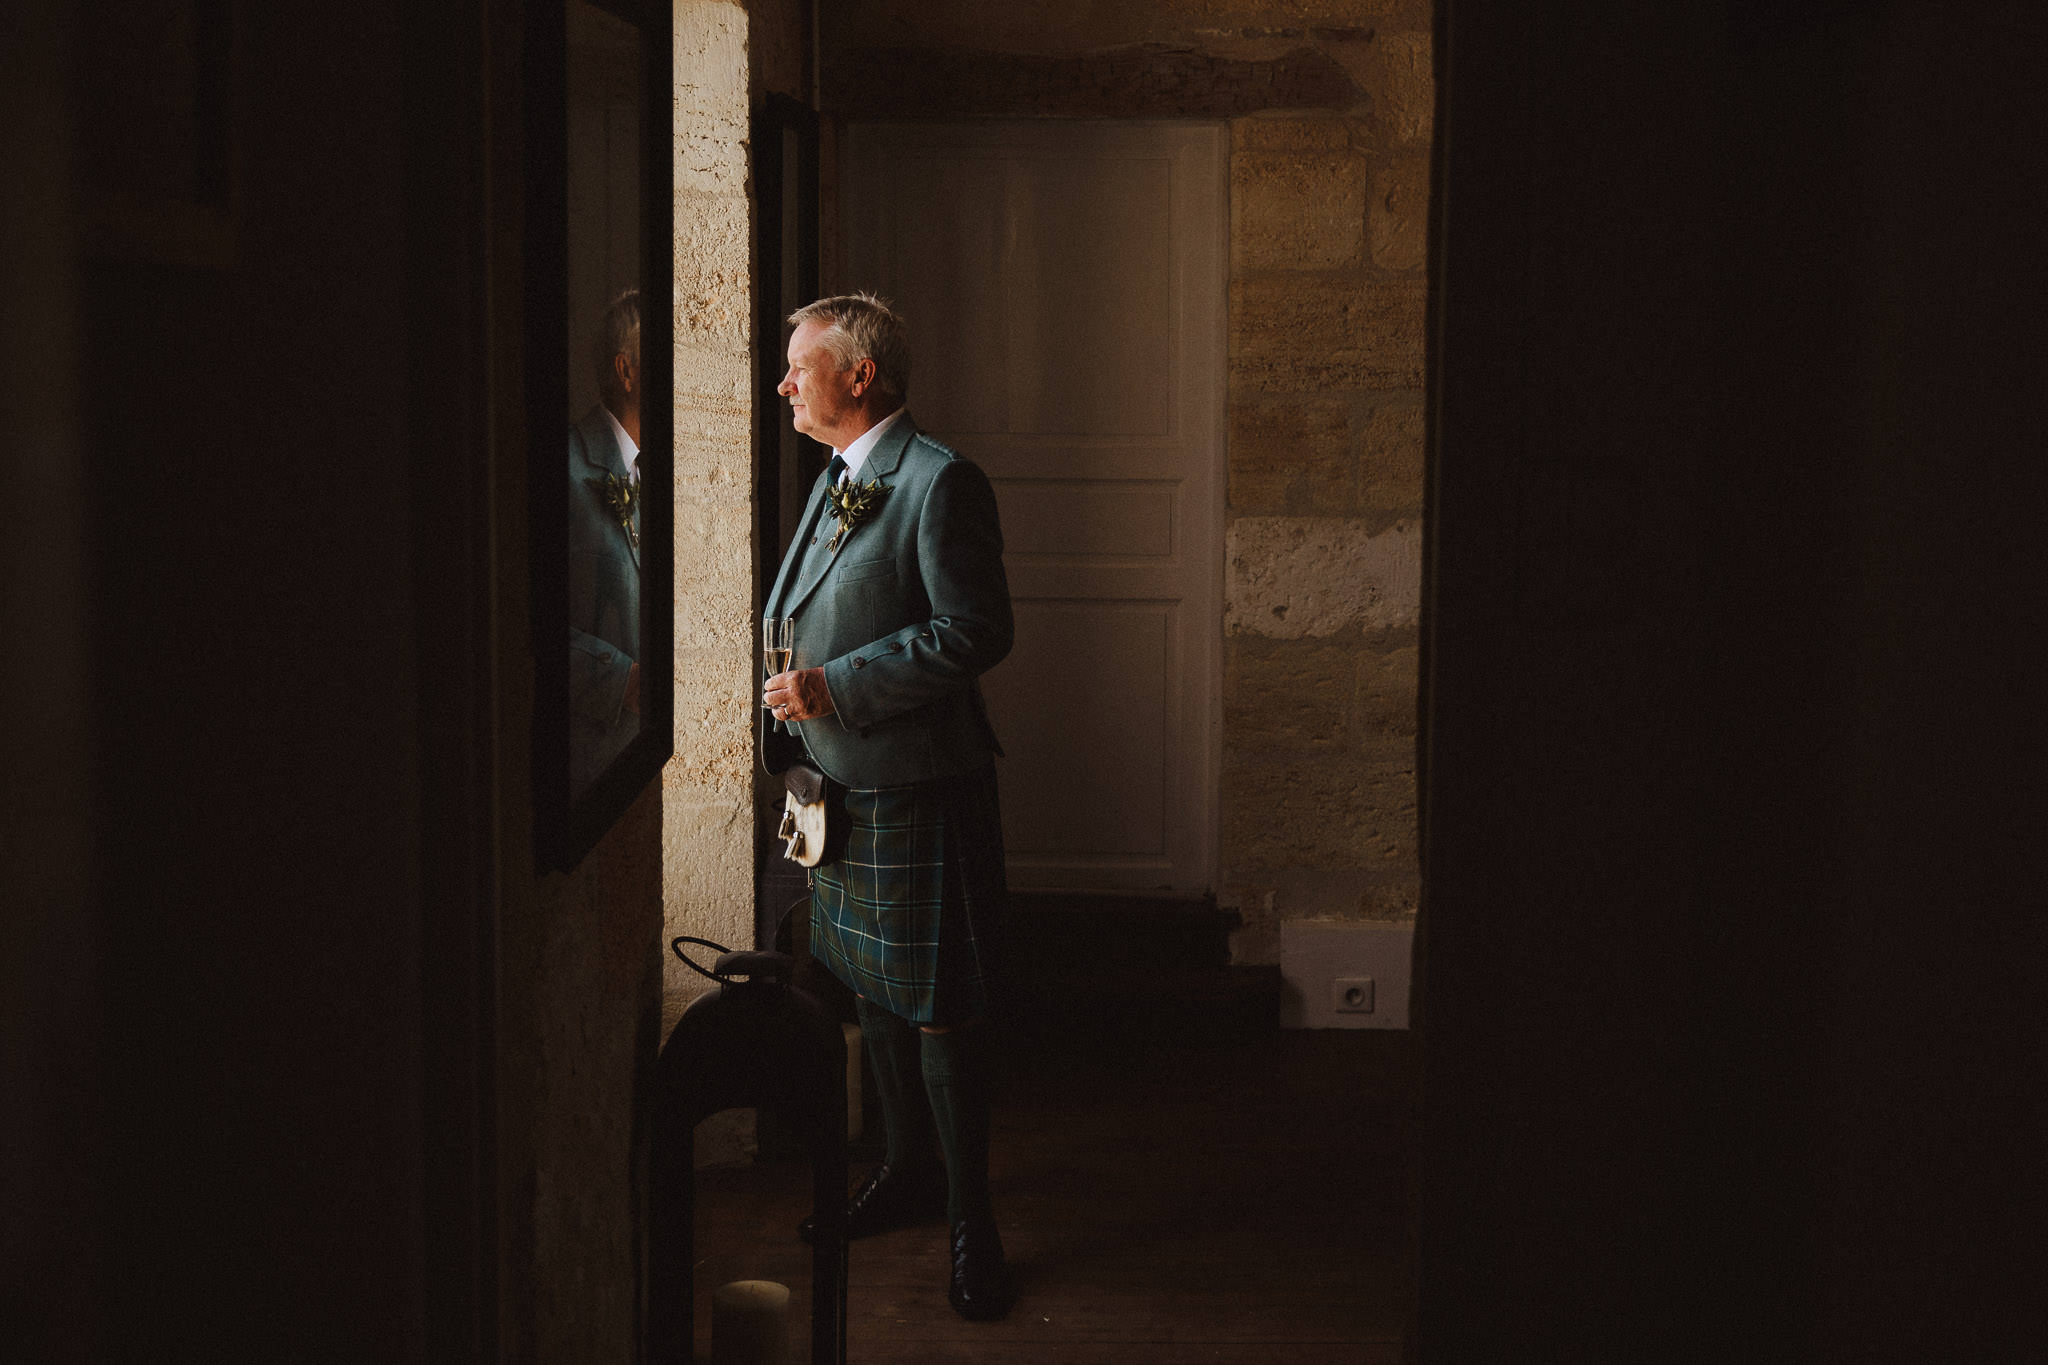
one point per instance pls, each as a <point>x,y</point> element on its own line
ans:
<point>1064,284</point>
<point>1111,811</point>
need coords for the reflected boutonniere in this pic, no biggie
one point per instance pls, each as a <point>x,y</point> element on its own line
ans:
<point>621,497</point>
<point>850,504</point>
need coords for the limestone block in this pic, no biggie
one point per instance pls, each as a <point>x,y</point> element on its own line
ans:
<point>1302,210</point>
<point>1289,577</point>
<point>711,446</point>
<point>1384,701</point>
<point>1385,325</point>
<point>711,98</point>
<point>707,877</point>
<point>1280,133</point>
<point>712,279</point>
<point>711,420</point>
<point>1400,214</point>
<point>710,486</point>
<point>1332,696</point>
<point>716,477</point>
<point>1396,898</point>
<point>1299,695</point>
<point>714,674</point>
<point>1291,455</point>
<point>1406,89</point>
<point>1305,332</point>
<point>1287,333</point>
<point>1327,454</point>
<point>1312,811</point>
<point>1394,66</point>
<point>1390,468</point>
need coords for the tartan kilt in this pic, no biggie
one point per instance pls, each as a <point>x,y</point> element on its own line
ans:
<point>910,913</point>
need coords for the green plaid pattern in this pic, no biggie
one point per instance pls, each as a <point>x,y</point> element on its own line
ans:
<point>910,914</point>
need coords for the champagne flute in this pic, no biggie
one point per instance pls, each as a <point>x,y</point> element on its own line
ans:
<point>778,640</point>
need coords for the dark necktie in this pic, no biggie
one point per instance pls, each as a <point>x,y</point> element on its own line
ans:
<point>835,471</point>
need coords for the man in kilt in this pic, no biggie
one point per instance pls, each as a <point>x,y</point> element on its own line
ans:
<point>896,585</point>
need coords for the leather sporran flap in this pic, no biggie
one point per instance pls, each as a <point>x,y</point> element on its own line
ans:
<point>804,782</point>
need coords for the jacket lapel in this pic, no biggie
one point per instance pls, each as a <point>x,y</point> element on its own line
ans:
<point>881,462</point>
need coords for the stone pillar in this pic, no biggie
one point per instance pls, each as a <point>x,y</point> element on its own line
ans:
<point>707,789</point>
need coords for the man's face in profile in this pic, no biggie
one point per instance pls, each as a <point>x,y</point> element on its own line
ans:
<point>820,394</point>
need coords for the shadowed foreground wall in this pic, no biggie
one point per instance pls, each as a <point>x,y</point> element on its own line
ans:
<point>1330,107</point>
<point>49,955</point>
<point>1733,769</point>
<point>313,1064</point>
<point>247,1050</point>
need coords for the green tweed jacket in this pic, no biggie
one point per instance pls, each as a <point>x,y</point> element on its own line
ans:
<point>604,604</point>
<point>904,615</point>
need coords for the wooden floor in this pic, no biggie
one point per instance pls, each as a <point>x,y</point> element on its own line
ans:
<point>1241,1204</point>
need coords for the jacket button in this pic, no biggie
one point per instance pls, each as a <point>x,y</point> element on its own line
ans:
<point>858,661</point>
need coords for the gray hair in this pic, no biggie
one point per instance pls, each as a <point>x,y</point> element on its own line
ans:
<point>862,327</point>
<point>618,334</point>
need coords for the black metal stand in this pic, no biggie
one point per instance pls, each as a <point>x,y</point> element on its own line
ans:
<point>755,1043</point>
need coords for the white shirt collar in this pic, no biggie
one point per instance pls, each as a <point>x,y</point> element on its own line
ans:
<point>856,454</point>
<point>629,449</point>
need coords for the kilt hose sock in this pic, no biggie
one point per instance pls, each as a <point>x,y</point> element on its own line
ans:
<point>892,1046</point>
<point>955,1082</point>
<point>956,1079</point>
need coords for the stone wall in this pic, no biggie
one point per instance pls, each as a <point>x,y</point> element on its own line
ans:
<point>1330,108</point>
<point>1322,565</point>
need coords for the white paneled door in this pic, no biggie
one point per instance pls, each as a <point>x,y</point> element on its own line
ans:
<point>1065,286</point>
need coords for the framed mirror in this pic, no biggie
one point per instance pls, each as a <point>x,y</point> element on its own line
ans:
<point>598,303</point>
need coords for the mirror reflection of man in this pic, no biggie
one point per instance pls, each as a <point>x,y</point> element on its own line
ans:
<point>604,553</point>
<point>898,612</point>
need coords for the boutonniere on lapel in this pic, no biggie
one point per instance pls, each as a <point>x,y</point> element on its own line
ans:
<point>850,504</point>
<point>621,497</point>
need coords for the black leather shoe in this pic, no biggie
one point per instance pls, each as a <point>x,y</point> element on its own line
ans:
<point>887,1199</point>
<point>981,1289</point>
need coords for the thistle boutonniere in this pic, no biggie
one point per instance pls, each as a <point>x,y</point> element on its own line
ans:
<point>850,504</point>
<point>621,497</point>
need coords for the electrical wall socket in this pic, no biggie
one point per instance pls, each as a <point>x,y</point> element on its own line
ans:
<point>1351,995</point>
<point>1345,973</point>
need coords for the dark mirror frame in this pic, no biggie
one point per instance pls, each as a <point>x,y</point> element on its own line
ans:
<point>565,830</point>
